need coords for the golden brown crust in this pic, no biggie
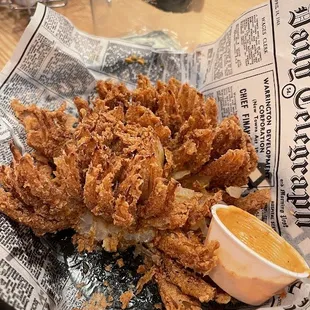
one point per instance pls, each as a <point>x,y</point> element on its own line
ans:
<point>21,213</point>
<point>137,114</point>
<point>145,94</point>
<point>173,213</point>
<point>222,298</point>
<point>158,306</point>
<point>125,299</point>
<point>47,131</point>
<point>188,116</point>
<point>228,136</point>
<point>188,251</point>
<point>123,171</point>
<point>193,151</point>
<point>249,147</point>
<point>110,244</point>
<point>122,216</point>
<point>111,95</point>
<point>97,301</point>
<point>202,209</point>
<point>115,176</point>
<point>170,206</point>
<point>82,106</point>
<point>98,195</point>
<point>252,202</point>
<point>172,296</point>
<point>85,242</point>
<point>146,278</point>
<point>231,169</point>
<point>189,283</point>
<point>38,199</point>
<point>120,263</point>
<point>141,269</point>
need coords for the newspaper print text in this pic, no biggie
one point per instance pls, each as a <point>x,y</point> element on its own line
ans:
<point>298,154</point>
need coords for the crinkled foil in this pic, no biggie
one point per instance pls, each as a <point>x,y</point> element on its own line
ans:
<point>99,272</point>
<point>88,272</point>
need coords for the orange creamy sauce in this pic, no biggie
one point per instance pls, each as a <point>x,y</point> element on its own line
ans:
<point>261,238</point>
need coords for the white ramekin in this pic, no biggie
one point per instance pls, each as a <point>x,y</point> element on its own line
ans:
<point>243,273</point>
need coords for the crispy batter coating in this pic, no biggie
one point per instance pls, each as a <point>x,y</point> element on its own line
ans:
<point>188,251</point>
<point>39,199</point>
<point>112,95</point>
<point>172,296</point>
<point>202,210</point>
<point>137,114</point>
<point>85,242</point>
<point>231,169</point>
<point>110,244</point>
<point>191,121</point>
<point>247,145</point>
<point>233,158</point>
<point>97,301</point>
<point>146,278</point>
<point>47,132</point>
<point>222,298</point>
<point>98,194</point>
<point>145,94</point>
<point>193,151</point>
<point>21,213</point>
<point>139,167</point>
<point>179,104</point>
<point>124,215</point>
<point>228,136</point>
<point>252,202</point>
<point>124,163</point>
<point>81,105</point>
<point>120,263</point>
<point>169,206</point>
<point>157,201</point>
<point>125,299</point>
<point>188,282</point>
<point>189,117</point>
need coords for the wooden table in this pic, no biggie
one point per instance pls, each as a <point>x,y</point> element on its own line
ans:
<point>217,15</point>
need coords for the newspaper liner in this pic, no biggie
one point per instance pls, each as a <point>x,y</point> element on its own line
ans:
<point>258,69</point>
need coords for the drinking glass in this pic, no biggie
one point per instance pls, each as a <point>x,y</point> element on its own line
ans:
<point>180,19</point>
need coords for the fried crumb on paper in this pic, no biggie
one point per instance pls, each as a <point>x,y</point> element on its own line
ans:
<point>129,60</point>
<point>80,285</point>
<point>141,61</point>
<point>158,306</point>
<point>79,295</point>
<point>108,268</point>
<point>146,278</point>
<point>85,242</point>
<point>120,263</point>
<point>141,269</point>
<point>96,302</point>
<point>222,298</point>
<point>133,58</point>
<point>110,244</point>
<point>125,298</point>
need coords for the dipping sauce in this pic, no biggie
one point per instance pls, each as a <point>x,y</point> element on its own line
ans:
<point>261,238</point>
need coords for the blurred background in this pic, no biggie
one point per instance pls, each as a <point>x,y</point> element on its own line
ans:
<point>189,22</point>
